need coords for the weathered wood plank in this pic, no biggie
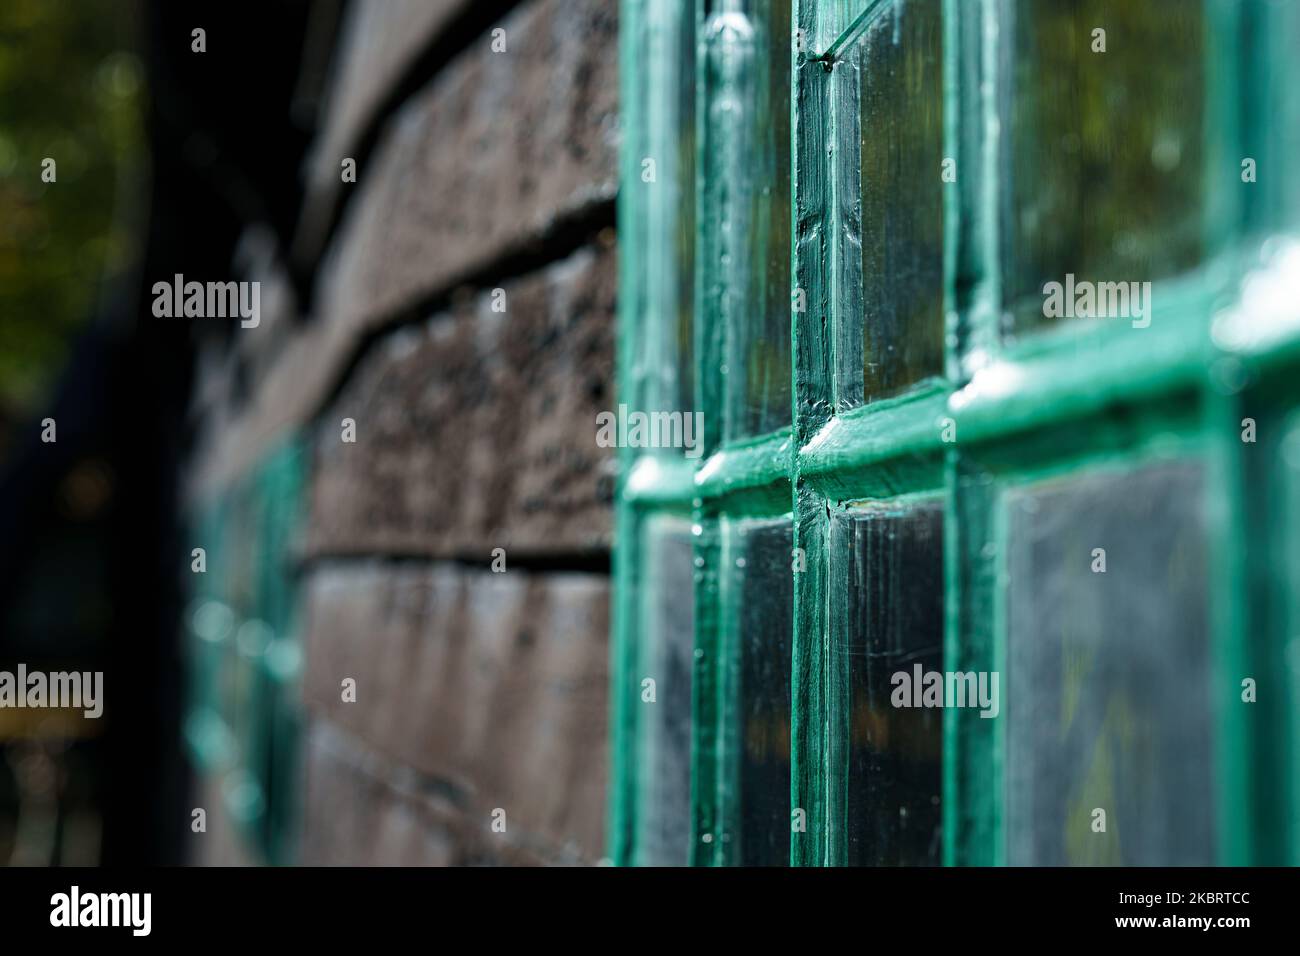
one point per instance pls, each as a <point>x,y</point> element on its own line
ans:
<point>477,430</point>
<point>494,683</point>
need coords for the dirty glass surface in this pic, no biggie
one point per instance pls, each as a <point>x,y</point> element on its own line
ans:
<point>681,206</point>
<point>1107,697</point>
<point>657,265</point>
<point>888,613</point>
<point>664,726</point>
<point>1105,148</point>
<point>757,368</point>
<point>758,553</point>
<point>901,63</point>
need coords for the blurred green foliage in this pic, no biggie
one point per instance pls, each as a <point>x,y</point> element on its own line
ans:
<point>71,90</point>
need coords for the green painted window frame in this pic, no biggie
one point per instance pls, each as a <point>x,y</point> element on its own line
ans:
<point>656,225</point>
<point>251,744</point>
<point>1059,401</point>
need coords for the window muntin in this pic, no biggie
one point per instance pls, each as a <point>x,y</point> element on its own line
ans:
<point>653,629</point>
<point>1266,519</point>
<point>657,220</point>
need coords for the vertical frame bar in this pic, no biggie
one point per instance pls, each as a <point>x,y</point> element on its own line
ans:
<point>817,253</point>
<point>656,241</point>
<point>974,53</point>
<point>631,237</point>
<point>733,295</point>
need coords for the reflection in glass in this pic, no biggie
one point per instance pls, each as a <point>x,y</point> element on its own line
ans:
<point>890,621</point>
<point>900,58</point>
<point>664,728</point>
<point>1107,694</point>
<point>1105,147</point>
<point>657,228</point>
<point>755,226</point>
<point>759,557</point>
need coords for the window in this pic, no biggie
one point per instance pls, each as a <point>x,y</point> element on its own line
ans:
<point>654,664</point>
<point>245,659</point>
<point>1105,148</point>
<point>891,562</point>
<point>1028,420</point>
<point>1101,667</point>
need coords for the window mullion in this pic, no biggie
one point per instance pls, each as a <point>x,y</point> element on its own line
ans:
<point>816,260</point>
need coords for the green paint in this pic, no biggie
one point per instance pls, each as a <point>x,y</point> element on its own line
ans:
<point>243,721</point>
<point>1079,396</point>
<point>756,470</point>
<point>656,239</point>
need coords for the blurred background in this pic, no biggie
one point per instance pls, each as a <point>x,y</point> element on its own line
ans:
<point>201,530</point>
<point>347,572</point>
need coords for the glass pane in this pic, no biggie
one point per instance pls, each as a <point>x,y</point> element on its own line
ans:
<point>762,598</point>
<point>890,616</point>
<point>755,262</point>
<point>1271,116</point>
<point>901,67</point>
<point>1107,695</point>
<point>657,274</point>
<point>664,726</point>
<point>1105,152</point>
<point>680,200</point>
